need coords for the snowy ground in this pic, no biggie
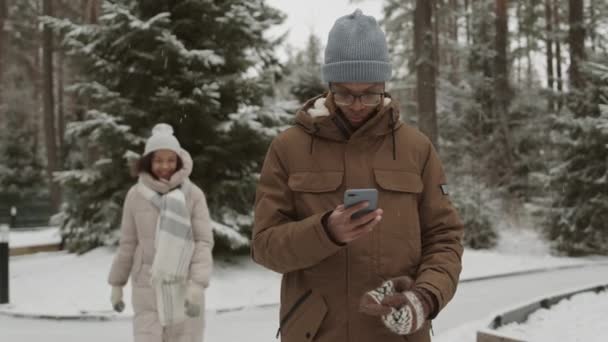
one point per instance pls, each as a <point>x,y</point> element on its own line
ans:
<point>77,285</point>
<point>34,236</point>
<point>580,318</point>
<point>476,304</point>
<point>472,308</point>
<point>63,285</point>
<point>81,288</point>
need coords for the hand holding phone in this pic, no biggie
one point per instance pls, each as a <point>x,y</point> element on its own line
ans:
<point>347,224</point>
<point>354,196</point>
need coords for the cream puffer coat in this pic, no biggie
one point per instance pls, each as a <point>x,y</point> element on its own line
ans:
<point>136,253</point>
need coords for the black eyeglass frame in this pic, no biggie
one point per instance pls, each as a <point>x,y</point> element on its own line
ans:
<point>355,97</point>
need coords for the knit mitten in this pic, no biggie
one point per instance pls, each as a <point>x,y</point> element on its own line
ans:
<point>403,310</point>
<point>116,299</point>
<point>194,298</point>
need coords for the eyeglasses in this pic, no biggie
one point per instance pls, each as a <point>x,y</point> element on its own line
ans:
<point>367,99</point>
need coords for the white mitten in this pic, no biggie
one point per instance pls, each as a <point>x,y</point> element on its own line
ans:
<point>194,298</point>
<point>116,299</point>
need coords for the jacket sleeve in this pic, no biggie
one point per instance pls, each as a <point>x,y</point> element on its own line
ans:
<point>442,232</point>
<point>280,242</point>
<point>202,259</point>
<point>123,260</point>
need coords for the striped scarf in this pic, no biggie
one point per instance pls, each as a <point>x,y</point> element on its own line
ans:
<point>174,247</point>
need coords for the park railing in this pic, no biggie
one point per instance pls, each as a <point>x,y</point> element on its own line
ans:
<point>520,314</point>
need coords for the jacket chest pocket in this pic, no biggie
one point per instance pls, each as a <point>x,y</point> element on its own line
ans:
<point>315,191</point>
<point>398,239</point>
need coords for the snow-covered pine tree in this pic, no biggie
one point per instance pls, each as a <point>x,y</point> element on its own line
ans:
<point>463,138</point>
<point>21,169</point>
<point>578,223</point>
<point>195,64</point>
<point>305,71</point>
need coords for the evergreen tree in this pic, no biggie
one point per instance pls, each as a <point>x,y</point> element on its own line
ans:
<point>462,108</point>
<point>21,169</point>
<point>197,65</point>
<point>578,223</point>
<point>304,71</point>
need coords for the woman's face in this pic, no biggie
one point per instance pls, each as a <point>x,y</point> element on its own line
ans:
<point>164,164</point>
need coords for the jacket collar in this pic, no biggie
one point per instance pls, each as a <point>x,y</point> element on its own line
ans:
<point>321,117</point>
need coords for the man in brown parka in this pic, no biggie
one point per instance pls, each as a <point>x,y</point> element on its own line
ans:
<point>352,137</point>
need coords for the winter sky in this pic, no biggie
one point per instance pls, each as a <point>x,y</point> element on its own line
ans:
<point>317,16</point>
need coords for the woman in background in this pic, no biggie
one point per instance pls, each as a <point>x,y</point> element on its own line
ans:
<point>165,245</point>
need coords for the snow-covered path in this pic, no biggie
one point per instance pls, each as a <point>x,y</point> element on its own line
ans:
<point>474,301</point>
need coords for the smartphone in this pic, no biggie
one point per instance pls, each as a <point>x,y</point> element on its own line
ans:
<point>354,196</point>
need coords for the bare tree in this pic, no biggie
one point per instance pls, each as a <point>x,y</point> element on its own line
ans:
<point>3,40</point>
<point>520,22</point>
<point>576,39</point>
<point>60,105</point>
<point>91,10</point>
<point>453,27</point>
<point>502,90</point>
<point>436,20</point>
<point>467,21</point>
<point>425,70</point>
<point>592,26</point>
<point>76,12</point>
<point>49,105</point>
<point>558,51</point>
<point>549,46</point>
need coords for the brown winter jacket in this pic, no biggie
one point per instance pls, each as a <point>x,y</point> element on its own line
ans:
<point>307,169</point>
<point>136,253</point>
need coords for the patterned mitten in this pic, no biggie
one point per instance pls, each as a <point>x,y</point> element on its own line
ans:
<point>403,310</point>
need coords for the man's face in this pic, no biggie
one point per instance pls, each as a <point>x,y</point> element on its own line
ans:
<point>367,99</point>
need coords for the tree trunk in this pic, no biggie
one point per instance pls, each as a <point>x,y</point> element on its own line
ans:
<point>530,20</point>
<point>576,39</point>
<point>425,70</point>
<point>467,21</point>
<point>48,106</point>
<point>60,106</point>
<point>518,34</point>
<point>592,26</point>
<point>502,91</point>
<point>3,43</point>
<point>91,10</point>
<point>558,52</point>
<point>435,20</point>
<point>549,45</point>
<point>482,62</point>
<point>454,60</point>
<point>530,67</point>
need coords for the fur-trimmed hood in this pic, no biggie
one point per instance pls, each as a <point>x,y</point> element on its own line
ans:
<point>180,177</point>
<point>320,117</point>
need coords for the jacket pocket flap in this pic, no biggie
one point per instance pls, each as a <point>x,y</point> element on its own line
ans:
<point>396,180</point>
<point>322,181</point>
<point>306,319</point>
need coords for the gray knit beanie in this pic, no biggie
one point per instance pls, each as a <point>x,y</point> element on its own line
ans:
<point>356,51</point>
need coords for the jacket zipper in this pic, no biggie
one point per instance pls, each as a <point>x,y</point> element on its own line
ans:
<point>348,294</point>
<point>341,126</point>
<point>292,310</point>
